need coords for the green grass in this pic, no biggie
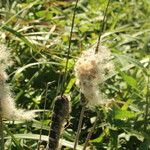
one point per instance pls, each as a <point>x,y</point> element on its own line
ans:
<point>37,33</point>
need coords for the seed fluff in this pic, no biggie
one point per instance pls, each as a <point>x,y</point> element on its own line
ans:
<point>8,108</point>
<point>91,71</point>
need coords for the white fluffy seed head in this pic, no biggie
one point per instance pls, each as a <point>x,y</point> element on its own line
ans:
<point>9,110</point>
<point>7,104</point>
<point>5,60</point>
<point>91,70</point>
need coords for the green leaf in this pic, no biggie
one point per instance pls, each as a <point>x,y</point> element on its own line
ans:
<point>123,114</point>
<point>126,104</point>
<point>70,85</point>
<point>44,14</point>
<point>130,80</point>
<point>20,36</point>
<point>14,138</point>
<point>43,138</point>
<point>18,72</point>
<point>101,137</point>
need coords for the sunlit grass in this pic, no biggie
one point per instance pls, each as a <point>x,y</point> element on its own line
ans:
<point>37,33</point>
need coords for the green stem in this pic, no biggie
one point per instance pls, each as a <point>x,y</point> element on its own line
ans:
<point>103,26</point>
<point>69,50</point>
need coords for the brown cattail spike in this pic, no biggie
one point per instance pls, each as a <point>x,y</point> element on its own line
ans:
<point>59,116</point>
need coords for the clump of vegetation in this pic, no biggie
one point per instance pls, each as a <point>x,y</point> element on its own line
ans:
<point>37,33</point>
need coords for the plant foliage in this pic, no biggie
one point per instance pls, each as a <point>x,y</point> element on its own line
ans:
<point>37,33</point>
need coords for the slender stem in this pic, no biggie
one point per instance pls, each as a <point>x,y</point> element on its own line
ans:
<point>79,127</point>
<point>147,105</point>
<point>42,118</point>
<point>69,49</point>
<point>1,129</point>
<point>91,132</point>
<point>102,28</point>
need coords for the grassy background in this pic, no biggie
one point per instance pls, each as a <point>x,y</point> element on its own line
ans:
<point>37,33</point>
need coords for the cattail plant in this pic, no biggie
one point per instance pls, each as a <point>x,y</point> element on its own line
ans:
<point>59,116</point>
<point>91,70</point>
<point>8,108</point>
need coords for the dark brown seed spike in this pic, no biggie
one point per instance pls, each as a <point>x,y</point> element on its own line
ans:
<point>59,116</point>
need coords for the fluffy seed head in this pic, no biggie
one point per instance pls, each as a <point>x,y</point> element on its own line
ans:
<point>10,112</point>
<point>7,104</point>
<point>91,70</point>
<point>4,58</point>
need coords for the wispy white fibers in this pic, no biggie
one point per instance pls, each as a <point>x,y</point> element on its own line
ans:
<point>91,70</point>
<point>8,108</point>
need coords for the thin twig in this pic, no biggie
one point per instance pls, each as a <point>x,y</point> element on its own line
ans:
<point>69,50</point>
<point>102,28</point>
<point>79,127</point>
<point>91,132</point>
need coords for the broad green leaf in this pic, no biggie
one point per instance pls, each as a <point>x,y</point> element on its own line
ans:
<point>123,114</point>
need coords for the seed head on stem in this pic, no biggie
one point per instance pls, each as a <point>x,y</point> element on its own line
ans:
<point>91,70</point>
